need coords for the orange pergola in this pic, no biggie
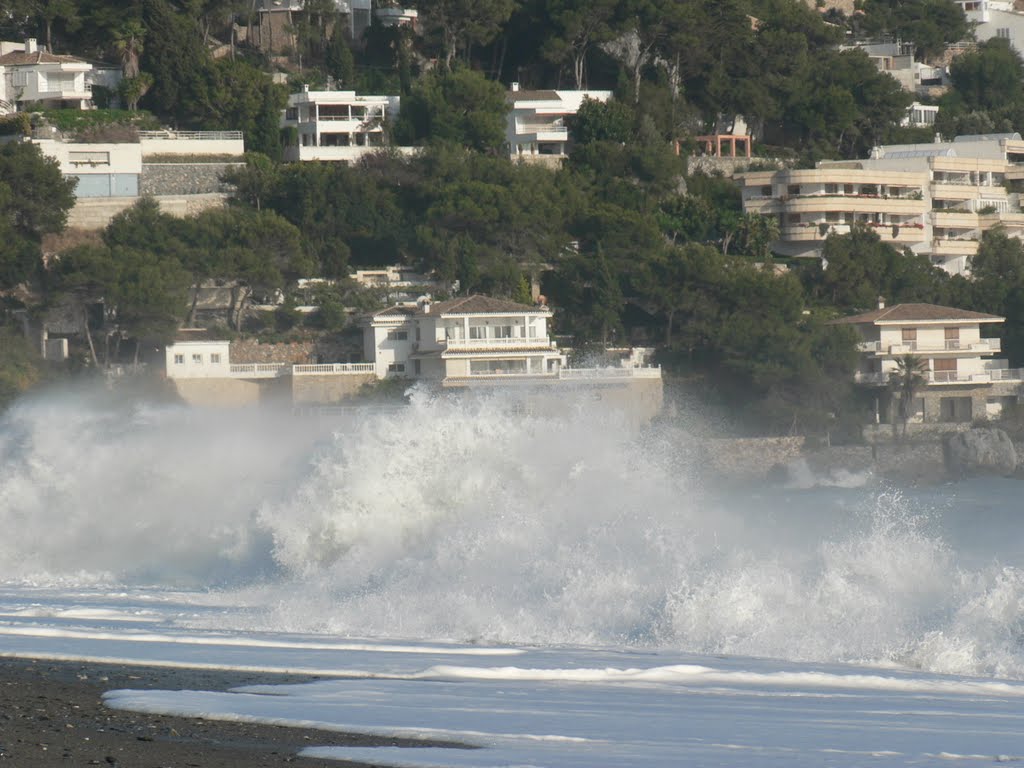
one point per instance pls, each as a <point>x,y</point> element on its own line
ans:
<point>714,144</point>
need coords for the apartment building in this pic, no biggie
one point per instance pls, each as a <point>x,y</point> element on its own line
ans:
<point>963,381</point>
<point>935,199</point>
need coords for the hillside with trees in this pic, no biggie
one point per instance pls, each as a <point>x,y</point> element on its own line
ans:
<point>628,245</point>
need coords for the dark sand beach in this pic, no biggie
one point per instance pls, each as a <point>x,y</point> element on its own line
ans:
<point>52,714</point>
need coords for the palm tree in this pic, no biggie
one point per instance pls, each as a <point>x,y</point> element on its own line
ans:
<point>906,381</point>
<point>128,42</point>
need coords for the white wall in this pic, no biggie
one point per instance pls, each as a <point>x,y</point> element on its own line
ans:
<point>197,360</point>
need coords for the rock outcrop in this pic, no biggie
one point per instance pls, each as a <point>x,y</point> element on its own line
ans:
<point>979,451</point>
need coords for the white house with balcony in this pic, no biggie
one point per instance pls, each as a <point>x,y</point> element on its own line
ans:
<point>535,130</point>
<point>466,338</point>
<point>964,381</point>
<point>32,75</point>
<point>337,125</point>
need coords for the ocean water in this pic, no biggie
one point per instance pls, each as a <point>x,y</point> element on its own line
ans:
<point>590,558</point>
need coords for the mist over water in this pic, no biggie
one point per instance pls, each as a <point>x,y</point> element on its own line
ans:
<point>472,519</point>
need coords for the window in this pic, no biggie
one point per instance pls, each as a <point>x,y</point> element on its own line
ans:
<point>532,332</point>
<point>197,359</point>
<point>910,337</point>
<point>848,189</point>
<point>215,357</point>
<point>793,189</point>
<point>1003,32</point>
<point>179,359</point>
<point>831,189</point>
<point>952,338</point>
<point>416,367</point>
<point>292,113</point>
<point>398,335</point>
<point>793,218</point>
<point>396,368</point>
<point>503,332</point>
<point>833,217</point>
<point>766,191</point>
<point>478,331</point>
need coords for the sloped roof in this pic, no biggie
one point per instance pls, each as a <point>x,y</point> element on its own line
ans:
<point>472,305</point>
<point>919,313</point>
<point>20,58</point>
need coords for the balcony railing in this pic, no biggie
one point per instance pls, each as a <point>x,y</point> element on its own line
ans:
<point>948,377</point>
<point>259,370</point>
<point>540,342</point>
<point>321,369</point>
<point>948,345</point>
<point>193,135</point>
<point>647,372</point>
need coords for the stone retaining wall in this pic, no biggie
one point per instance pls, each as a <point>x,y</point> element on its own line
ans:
<point>92,213</point>
<point>727,166</point>
<point>329,389</point>
<point>749,459</point>
<point>294,352</point>
<point>184,178</point>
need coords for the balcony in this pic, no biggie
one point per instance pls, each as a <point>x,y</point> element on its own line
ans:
<point>954,247</point>
<point>955,219</point>
<point>497,345</point>
<point>939,378</point>
<point>981,347</point>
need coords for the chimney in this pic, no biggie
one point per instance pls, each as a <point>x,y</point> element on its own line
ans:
<point>881,302</point>
<point>305,87</point>
<point>515,87</point>
<point>30,45</point>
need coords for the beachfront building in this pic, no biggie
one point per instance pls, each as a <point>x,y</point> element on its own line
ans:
<point>964,381</point>
<point>935,199</point>
<point>466,338</point>
<point>336,125</point>
<point>535,129</point>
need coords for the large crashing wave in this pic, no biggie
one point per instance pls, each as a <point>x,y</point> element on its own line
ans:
<point>471,518</point>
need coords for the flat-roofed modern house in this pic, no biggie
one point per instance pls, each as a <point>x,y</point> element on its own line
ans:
<point>935,199</point>
<point>536,130</point>
<point>964,381</point>
<point>336,125</point>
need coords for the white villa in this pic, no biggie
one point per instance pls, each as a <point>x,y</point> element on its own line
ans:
<point>995,18</point>
<point>964,381</point>
<point>935,199</point>
<point>336,125</point>
<point>452,341</point>
<point>536,129</point>
<point>33,75</point>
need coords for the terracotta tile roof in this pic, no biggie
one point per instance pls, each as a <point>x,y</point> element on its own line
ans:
<point>469,305</point>
<point>396,311</point>
<point>20,58</point>
<point>919,313</point>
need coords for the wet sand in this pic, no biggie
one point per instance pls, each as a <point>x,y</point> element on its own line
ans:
<point>51,714</point>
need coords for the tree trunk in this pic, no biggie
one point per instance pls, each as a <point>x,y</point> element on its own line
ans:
<point>88,336</point>
<point>195,300</point>
<point>668,327</point>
